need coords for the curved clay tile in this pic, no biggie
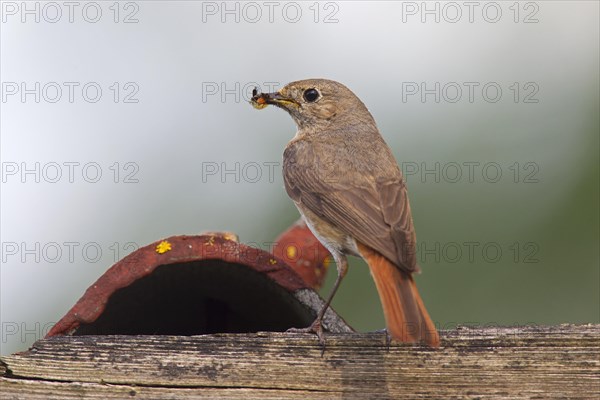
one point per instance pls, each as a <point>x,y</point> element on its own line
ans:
<point>209,283</point>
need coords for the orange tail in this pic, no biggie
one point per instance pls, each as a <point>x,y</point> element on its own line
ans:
<point>405,315</point>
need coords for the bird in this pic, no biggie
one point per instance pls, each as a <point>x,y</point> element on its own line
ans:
<point>348,187</point>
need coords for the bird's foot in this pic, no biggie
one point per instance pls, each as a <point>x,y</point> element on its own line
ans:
<point>316,328</point>
<point>388,337</point>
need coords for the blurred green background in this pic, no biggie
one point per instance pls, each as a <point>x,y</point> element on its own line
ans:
<point>544,219</point>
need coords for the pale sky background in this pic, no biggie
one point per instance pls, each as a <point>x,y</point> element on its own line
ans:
<point>541,134</point>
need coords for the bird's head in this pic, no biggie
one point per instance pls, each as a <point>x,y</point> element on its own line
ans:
<point>316,104</point>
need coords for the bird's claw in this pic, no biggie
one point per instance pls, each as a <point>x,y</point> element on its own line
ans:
<point>388,337</point>
<point>315,328</point>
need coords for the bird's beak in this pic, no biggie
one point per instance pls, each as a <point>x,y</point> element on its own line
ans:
<point>261,100</point>
<point>277,98</point>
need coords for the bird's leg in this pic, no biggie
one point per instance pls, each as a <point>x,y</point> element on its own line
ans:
<point>317,326</point>
<point>342,268</point>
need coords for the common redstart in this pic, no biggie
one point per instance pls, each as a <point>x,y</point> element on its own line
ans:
<point>347,185</point>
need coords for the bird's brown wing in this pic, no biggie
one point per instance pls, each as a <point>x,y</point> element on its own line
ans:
<point>372,210</point>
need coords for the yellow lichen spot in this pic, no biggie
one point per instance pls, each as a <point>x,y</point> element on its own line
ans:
<point>291,251</point>
<point>211,241</point>
<point>327,262</point>
<point>163,247</point>
<point>272,261</point>
<point>230,236</point>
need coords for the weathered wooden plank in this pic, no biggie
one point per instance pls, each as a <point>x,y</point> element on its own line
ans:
<point>46,390</point>
<point>526,362</point>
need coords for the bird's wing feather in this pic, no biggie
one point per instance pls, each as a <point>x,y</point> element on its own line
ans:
<point>372,210</point>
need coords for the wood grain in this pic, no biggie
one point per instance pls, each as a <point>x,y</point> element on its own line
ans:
<point>472,363</point>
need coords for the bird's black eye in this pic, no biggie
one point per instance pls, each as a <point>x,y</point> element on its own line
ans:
<point>311,95</point>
